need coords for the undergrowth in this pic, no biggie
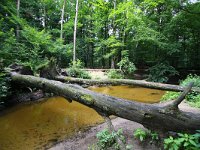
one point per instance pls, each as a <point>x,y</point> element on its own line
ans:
<point>75,70</point>
<point>115,74</point>
<point>192,98</point>
<point>177,141</point>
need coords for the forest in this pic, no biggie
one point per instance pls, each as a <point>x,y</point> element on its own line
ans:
<point>160,33</point>
<point>80,48</point>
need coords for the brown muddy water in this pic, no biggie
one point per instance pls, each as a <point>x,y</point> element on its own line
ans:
<point>38,125</point>
<point>135,93</point>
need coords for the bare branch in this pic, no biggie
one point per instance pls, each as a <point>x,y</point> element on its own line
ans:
<point>182,95</point>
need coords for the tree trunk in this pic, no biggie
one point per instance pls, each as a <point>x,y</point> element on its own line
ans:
<point>75,28</point>
<point>18,13</point>
<point>165,116</point>
<point>44,18</point>
<point>141,83</point>
<point>114,34</point>
<point>62,19</point>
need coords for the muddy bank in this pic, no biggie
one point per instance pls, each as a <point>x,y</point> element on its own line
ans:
<point>83,140</point>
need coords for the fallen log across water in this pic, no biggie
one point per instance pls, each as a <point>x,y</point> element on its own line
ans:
<point>142,83</point>
<point>164,116</point>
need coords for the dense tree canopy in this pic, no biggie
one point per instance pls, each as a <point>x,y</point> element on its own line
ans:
<point>150,32</point>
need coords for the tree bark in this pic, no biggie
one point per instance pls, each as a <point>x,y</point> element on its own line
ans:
<point>18,15</point>
<point>75,28</point>
<point>141,83</point>
<point>154,116</point>
<point>62,19</point>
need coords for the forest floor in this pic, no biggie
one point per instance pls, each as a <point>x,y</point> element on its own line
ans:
<point>83,140</point>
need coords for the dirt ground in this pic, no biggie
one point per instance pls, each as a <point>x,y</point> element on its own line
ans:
<point>82,140</point>
<point>98,74</point>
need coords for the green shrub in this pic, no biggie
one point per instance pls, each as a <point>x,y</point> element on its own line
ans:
<point>161,72</point>
<point>171,143</point>
<point>107,140</point>
<point>114,74</point>
<point>76,71</point>
<point>77,64</point>
<point>140,134</point>
<point>154,136</point>
<point>126,66</point>
<point>183,141</point>
<point>197,136</point>
<point>188,141</point>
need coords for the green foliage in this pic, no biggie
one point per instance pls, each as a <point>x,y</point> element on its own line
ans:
<point>193,98</point>
<point>78,73</point>
<point>77,64</point>
<point>114,74</point>
<point>161,72</point>
<point>76,70</point>
<point>191,78</point>
<point>188,141</point>
<point>197,136</point>
<point>107,140</point>
<point>126,65</point>
<point>154,136</point>
<point>151,31</point>
<point>5,86</point>
<point>170,96</point>
<point>195,101</point>
<point>140,134</point>
<point>183,141</point>
<point>171,143</point>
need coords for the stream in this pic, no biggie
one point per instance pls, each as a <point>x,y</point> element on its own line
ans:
<point>39,125</point>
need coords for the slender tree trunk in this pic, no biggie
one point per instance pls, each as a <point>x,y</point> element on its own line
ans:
<point>114,34</point>
<point>112,63</point>
<point>62,19</point>
<point>18,15</point>
<point>75,28</point>
<point>44,19</point>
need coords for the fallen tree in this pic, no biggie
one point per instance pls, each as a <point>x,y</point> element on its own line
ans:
<point>164,116</point>
<point>141,83</point>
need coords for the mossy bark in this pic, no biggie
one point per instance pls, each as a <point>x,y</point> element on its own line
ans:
<point>155,116</point>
